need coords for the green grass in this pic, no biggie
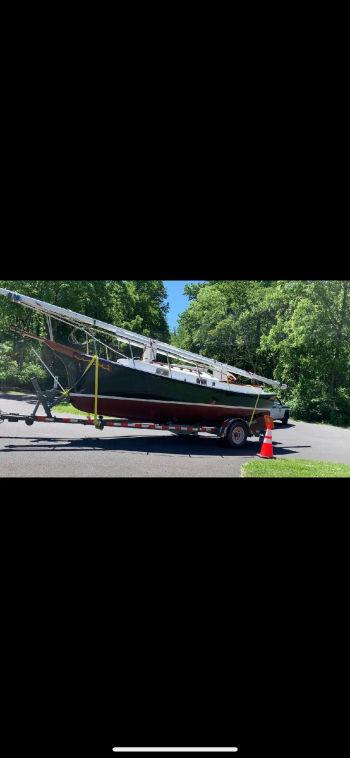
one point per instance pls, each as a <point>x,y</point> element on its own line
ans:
<point>68,408</point>
<point>61,408</point>
<point>293,468</point>
<point>12,392</point>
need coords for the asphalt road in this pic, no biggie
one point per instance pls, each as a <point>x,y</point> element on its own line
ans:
<point>76,451</point>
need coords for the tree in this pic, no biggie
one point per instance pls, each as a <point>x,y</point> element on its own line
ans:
<point>136,305</point>
<point>295,331</point>
<point>147,308</point>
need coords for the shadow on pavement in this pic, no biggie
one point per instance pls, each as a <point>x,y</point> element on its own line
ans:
<point>31,399</point>
<point>133,444</point>
<point>287,450</point>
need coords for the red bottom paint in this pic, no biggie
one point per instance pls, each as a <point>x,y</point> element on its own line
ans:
<point>159,412</point>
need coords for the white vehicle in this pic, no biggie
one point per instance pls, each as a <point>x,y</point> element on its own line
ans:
<point>280,412</point>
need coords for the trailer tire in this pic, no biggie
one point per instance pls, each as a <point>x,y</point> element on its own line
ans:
<point>237,433</point>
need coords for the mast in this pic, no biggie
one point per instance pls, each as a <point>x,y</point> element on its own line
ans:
<point>131,338</point>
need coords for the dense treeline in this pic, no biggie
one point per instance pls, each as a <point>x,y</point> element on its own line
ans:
<point>140,306</point>
<point>295,331</point>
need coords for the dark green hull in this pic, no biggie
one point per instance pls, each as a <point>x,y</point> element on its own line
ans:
<point>135,394</point>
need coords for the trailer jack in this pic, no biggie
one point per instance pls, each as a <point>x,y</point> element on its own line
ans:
<point>47,399</point>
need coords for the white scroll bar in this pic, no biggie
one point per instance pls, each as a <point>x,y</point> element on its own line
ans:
<point>175,749</point>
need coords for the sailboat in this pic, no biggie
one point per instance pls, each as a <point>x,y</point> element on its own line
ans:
<point>185,388</point>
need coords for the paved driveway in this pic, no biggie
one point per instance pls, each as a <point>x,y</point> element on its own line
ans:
<point>73,451</point>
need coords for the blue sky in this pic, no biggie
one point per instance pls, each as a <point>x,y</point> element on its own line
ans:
<point>177,301</point>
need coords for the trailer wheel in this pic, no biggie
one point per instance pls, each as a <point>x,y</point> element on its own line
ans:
<point>236,435</point>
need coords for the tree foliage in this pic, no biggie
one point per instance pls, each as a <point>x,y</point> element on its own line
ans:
<point>295,331</point>
<point>136,305</point>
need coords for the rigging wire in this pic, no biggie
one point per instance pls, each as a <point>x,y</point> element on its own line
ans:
<point>77,327</point>
<point>128,337</point>
<point>72,322</point>
<point>47,368</point>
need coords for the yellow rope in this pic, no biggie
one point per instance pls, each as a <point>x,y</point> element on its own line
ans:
<point>65,393</point>
<point>96,358</point>
<point>257,399</point>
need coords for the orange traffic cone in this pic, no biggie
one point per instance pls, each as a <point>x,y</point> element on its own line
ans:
<point>267,449</point>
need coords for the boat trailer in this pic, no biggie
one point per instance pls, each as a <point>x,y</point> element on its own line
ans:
<point>234,431</point>
<point>102,423</point>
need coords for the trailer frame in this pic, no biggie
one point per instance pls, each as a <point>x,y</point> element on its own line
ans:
<point>222,431</point>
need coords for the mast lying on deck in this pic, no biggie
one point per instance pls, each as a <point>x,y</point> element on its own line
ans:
<point>131,338</point>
